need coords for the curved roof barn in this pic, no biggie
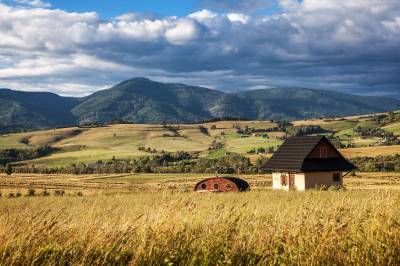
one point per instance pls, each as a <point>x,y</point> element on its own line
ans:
<point>222,184</point>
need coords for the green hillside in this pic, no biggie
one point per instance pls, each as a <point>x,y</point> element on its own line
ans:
<point>141,100</point>
<point>34,110</point>
<point>356,136</point>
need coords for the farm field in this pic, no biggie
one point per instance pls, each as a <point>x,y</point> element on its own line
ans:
<point>157,219</point>
<point>94,184</point>
<point>89,145</point>
<point>371,151</point>
<point>122,141</point>
<point>152,219</point>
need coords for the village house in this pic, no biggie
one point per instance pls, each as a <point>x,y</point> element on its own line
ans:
<point>307,162</point>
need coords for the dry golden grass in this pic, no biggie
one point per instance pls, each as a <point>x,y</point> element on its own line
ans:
<point>155,182</point>
<point>231,124</point>
<point>118,182</point>
<point>148,219</point>
<point>371,151</point>
<point>255,228</point>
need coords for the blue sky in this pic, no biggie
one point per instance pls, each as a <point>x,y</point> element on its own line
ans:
<point>111,8</point>
<point>229,45</point>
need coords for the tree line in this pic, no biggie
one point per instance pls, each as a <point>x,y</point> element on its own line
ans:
<point>387,163</point>
<point>185,162</point>
<point>179,162</point>
<point>17,155</point>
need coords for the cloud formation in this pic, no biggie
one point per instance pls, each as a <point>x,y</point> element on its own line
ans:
<point>33,3</point>
<point>349,46</point>
<point>238,5</point>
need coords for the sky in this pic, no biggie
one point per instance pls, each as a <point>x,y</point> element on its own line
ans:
<point>75,48</point>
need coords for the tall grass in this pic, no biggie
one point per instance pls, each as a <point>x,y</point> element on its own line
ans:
<point>310,228</point>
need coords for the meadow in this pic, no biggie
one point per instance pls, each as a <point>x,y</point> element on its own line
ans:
<point>167,227</point>
<point>157,219</point>
<point>89,145</point>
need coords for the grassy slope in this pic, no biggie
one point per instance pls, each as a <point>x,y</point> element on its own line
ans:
<point>395,128</point>
<point>122,141</point>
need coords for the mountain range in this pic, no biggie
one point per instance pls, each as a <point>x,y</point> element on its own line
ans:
<point>141,100</point>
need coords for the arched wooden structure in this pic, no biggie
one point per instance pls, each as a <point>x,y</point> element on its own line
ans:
<point>222,184</point>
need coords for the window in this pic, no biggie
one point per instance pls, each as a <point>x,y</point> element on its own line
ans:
<point>336,177</point>
<point>323,152</point>
<point>203,186</point>
<point>216,186</point>
<point>228,187</point>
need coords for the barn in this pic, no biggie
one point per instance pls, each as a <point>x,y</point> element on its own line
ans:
<point>222,184</point>
<point>307,162</point>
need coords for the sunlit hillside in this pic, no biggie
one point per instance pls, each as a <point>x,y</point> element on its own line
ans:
<point>210,140</point>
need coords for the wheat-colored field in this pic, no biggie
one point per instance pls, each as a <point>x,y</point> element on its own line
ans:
<point>371,151</point>
<point>156,219</point>
<point>97,184</point>
<point>178,228</point>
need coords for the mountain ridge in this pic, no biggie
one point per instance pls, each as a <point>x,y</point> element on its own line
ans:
<point>141,100</point>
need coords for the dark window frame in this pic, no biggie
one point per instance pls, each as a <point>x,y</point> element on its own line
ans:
<point>336,177</point>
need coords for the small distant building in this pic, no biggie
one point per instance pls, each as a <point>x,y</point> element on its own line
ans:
<point>307,162</point>
<point>222,184</point>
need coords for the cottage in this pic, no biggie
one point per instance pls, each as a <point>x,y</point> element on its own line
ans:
<point>307,162</point>
<point>222,184</point>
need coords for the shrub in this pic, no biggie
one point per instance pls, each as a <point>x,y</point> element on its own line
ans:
<point>8,169</point>
<point>31,192</point>
<point>59,192</point>
<point>45,193</point>
<point>337,188</point>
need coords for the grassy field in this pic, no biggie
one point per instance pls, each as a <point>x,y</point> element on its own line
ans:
<point>371,151</point>
<point>178,228</point>
<point>122,141</point>
<point>88,145</point>
<point>156,219</point>
<point>95,184</point>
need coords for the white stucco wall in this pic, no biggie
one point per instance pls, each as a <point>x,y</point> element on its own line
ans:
<point>300,182</point>
<point>305,181</point>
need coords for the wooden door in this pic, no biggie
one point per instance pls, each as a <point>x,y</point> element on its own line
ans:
<point>291,180</point>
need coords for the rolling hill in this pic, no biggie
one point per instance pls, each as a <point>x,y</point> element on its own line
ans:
<point>34,110</point>
<point>141,100</point>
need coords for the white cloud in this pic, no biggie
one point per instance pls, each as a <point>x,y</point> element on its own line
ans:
<point>182,32</point>
<point>203,15</point>
<point>313,43</point>
<point>236,17</point>
<point>34,3</point>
